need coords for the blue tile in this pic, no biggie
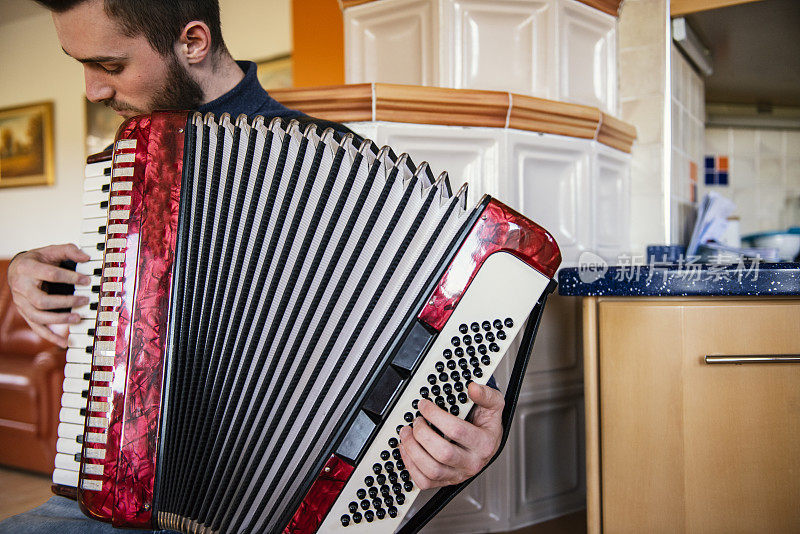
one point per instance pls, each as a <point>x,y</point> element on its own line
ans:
<point>722,178</point>
<point>709,163</point>
<point>711,178</point>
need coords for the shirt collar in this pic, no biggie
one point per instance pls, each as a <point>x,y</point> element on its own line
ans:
<point>247,97</point>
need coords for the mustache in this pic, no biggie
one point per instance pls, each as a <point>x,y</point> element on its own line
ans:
<point>119,106</point>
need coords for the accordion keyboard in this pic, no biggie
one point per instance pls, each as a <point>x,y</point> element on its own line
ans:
<point>79,352</point>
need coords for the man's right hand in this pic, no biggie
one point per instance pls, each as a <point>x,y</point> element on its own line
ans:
<point>25,276</point>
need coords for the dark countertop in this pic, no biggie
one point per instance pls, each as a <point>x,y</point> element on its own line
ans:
<point>681,280</point>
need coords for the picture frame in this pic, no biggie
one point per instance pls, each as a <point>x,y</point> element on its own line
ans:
<point>102,124</point>
<point>26,145</point>
<point>275,72</point>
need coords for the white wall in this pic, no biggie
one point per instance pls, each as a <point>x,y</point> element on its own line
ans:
<point>33,68</point>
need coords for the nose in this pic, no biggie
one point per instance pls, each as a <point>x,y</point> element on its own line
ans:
<point>97,87</point>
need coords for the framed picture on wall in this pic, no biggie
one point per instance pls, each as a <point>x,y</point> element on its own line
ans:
<point>101,126</point>
<point>275,72</point>
<point>26,145</point>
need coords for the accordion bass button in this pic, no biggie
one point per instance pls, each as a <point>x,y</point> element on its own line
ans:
<point>353,507</point>
<point>392,511</point>
<point>345,520</point>
<point>357,517</point>
<point>380,513</point>
<point>463,328</point>
<point>369,515</point>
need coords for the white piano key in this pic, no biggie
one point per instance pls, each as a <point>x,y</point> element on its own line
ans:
<point>71,415</point>
<point>87,291</point>
<point>96,183</point>
<point>94,454</point>
<point>119,215</point>
<point>94,197</point>
<point>92,226</point>
<point>93,253</point>
<point>79,356</point>
<point>120,200</point>
<point>103,376</point>
<point>93,469</point>
<point>96,437</point>
<point>129,157</point>
<point>88,267</point>
<point>79,341</point>
<point>122,186</point>
<point>97,169</point>
<point>94,211</point>
<point>98,422</point>
<point>90,484</point>
<point>76,370</point>
<point>69,430</point>
<point>65,477</point>
<point>67,446</point>
<point>82,327</point>
<point>125,144</point>
<point>117,229</point>
<point>73,400</point>
<point>75,385</point>
<point>118,172</point>
<point>91,239</point>
<point>67,462</point>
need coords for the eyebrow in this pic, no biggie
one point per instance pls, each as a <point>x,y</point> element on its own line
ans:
<point>96,59</point>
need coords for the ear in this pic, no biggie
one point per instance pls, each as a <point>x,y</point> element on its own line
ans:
<point>194,44</point>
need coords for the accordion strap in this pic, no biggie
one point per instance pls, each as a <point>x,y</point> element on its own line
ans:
<point>442,497</point>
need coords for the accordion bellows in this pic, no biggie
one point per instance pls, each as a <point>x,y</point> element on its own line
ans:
<point>277,291</point>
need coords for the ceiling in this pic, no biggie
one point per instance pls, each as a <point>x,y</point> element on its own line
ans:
<point>755,51</point>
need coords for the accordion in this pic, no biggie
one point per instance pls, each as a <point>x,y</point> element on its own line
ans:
<point>270,303</point>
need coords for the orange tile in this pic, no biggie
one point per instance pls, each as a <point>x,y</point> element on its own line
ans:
<point>722,163</point>
<point>693,171</point>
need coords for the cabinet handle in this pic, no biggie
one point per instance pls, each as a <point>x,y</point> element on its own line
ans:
<point>758,358</point>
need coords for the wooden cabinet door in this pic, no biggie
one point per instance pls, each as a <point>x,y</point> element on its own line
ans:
<point>742,422</point>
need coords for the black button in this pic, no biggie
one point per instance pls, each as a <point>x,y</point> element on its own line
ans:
<point>365,504</point>
<point>404,476</point>
<point>440,402</point>
<point>475,327</point>
<point>388,500</point>
<point>357,517</point>
<point>393,443</point>
<point>451,364</point>
<point>477,373</point>
<point>361,493</point>
<point>448,389</point>
<point>463,363</point>
<point>381,479</point>
<point>431,379</point>
<point>508,322</point>
<point>478,338</point>
<point>376,468</point>
<point>466,374</point>
<point>397,488</point>
<point>455,376</point>
<point>369,515</point>
<point>501,335</point>
<point>392,512</point>
<point>497,323</point>
<point>399,428</point>
<point>408,486</point>
<point>377,503</point>
<point>401,499</point>
<point>415,403</point>
<point>494,347</point>
<point>462,397</point>
<point>396,454</point>
<point>470,351</point>
<point>436,391</point>
<point>345,520</point>
<point>486,360</point>
<point>486,325</point>
<point>389,466</point>
<point>443,377</point>
<point>408,417</point>
<point>489,336</point>
<point>381,513</point>
<point>369,481</point>
<point>474,362</point>
<point>373,492</point>
<point>458,386</point>
<point>451,399</point>
<point>385,455</point>
<point>467,340</point>
<point>455,341</point>
<point>447,353</point>
<point>353,507</point>
<point>463,328</point>
<point>385,490</point>
<point>393,477</point>
<point>423,391</point>
<point>400,465</point>
<point>439,367</point>
<point>459,352</point>
<point>482,349</point>
<point>468,382</point>
<point>454,409</point>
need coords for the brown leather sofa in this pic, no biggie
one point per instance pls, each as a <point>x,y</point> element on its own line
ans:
<point>31,373</point>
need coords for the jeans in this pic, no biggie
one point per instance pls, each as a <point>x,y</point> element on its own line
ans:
<point>60,515</point>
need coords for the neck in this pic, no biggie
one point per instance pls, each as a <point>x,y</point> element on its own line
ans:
<point>219,76</point>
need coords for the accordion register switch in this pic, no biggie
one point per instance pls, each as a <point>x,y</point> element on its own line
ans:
<point>269,304</point>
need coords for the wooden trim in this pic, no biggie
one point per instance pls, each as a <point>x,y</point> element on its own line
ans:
<point>457,107</point>
<point>607,6</point>
<point>591,399</point>
<point>684,7</point>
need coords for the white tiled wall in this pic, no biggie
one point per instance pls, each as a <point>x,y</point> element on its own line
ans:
<point>558,49</point>
<point>763,176</point>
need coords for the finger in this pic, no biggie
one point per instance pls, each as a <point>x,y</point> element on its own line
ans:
<point>58,253</point>
<point>42,301</point>
<point>38,270</point>
<point>427,465</point>
<point>451,426</point>
<point>48,317</point>
<point>440,449</point>
<point>49,335</point>
<point>419,480</point>
<point>486,397</point>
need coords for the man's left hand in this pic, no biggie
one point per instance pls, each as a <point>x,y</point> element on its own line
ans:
<point>433,460</point>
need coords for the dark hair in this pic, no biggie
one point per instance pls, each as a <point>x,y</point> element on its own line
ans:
<point>160,21</point>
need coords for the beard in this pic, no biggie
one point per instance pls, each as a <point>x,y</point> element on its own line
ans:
<point>179,91</point>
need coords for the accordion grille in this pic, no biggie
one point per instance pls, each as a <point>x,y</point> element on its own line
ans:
<point>300,256</point>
